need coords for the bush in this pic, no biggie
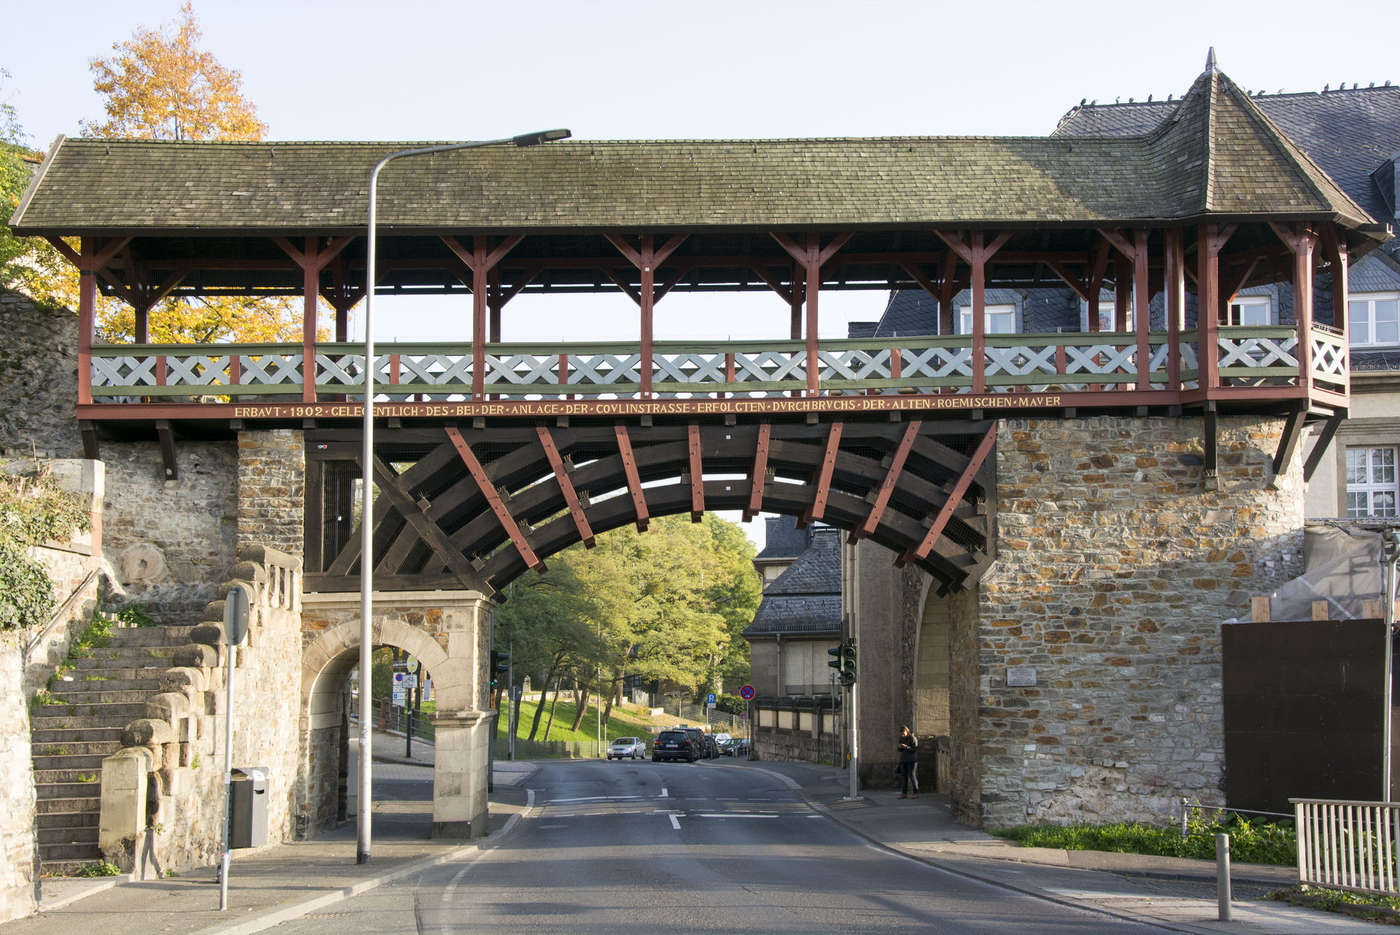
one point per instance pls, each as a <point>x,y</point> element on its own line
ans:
<point>1256,842</point>
<point>33,510</point>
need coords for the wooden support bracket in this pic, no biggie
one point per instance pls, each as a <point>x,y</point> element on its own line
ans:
<point>1288,444</point>
<point>167,449</point>
<point>833,445</point>
<point>760,472</point>
<point>1321,443</point>
<point>1211,475</point>
<point>493,499</point>
<point>697,474</point>
<point>431,533</point>
<point>945,513</point>
<point>566,487</point>
<point>634,481</point>
<point>882,499</point>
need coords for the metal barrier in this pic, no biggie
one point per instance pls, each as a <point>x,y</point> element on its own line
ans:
<point>1348,845</point>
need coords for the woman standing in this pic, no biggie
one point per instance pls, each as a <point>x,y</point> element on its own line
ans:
<point>908,755</point>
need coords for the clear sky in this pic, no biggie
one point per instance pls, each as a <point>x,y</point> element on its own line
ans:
<point>421,70</point>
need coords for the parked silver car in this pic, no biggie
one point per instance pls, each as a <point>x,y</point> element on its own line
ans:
<point>634,748</point>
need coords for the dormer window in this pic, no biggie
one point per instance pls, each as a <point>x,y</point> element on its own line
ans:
<point>1373,319</point>
<point>1252,311</point>
<point>1001,319</point>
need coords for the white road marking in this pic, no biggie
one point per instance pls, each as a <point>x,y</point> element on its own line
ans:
<point>734,815</point>
<point>664,793</point>
<point>598,798</point>
<point>675,822</point>
<point>529,798</point>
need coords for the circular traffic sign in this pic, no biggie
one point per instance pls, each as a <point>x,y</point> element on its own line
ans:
<point>746,693</point>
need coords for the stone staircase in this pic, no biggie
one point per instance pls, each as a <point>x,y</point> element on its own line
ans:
<point>104,690</point>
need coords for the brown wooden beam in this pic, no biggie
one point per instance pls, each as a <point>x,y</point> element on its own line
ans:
<point>634,482</point>
<point>167,449</point>
<point>882,498</point>
<point>566,487</point>
<point>945,513</point>
<point>760,471</point>
<point>431,533</point>
<point>823,486</point>
<point>1321,443</point>
<point>493,499</point>
<point>697,473</point>
<point>1288,443</point>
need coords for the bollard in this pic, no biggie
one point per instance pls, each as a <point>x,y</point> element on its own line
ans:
<point>1222,875</point>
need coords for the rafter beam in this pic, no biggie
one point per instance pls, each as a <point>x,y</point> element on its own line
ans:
<point>760,471</point>
<point>566,487</point>
<point>974,464</point>
<point>431,533</point>
<point>493,499</point>
<point>823,488</point>
<point>1321,443</point>
<point>882,499</point>
<point>1288,443</point>
<point>697,473</point>
<point>634,481</point>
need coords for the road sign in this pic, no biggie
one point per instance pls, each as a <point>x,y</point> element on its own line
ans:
<point>746,693</point>
<point>710,699</point>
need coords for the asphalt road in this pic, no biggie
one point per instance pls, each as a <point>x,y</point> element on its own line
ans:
<point>670,847</point>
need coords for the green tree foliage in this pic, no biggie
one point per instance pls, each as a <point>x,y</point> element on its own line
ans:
<point>666,605</point>
<point>22,260</point>
<point>33,510</point>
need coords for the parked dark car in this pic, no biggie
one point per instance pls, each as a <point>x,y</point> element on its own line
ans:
<point>675,744</point>
<point>711,746</point>
<point>704,743</point>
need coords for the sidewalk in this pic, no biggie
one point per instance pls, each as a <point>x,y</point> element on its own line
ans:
<point>288,881</point>
<point>1175,892</point>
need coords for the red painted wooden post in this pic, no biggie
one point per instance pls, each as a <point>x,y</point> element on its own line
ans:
<point>479,250</point>
<point>162,369</point>
<point>1174,280</point>
<point>945,292</point>
<point>1142,307</point>
<point>87,307</point>
<point>494,300</point>
<point>563,374</point>
<point>728,372</point>
<point>795,303</point>
<point>310,292</point>
<point>979,314</point>
<point>648,271</point>
<point>235,370</point>
<point>1303,245</point>
<point>813,287</point>
<point>142,330</point>
<point>1122,278</point>
<point>1336,253</point>
<point>1208,305</point>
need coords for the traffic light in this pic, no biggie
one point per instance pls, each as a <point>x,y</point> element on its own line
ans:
<point>838,658</point>
<point>500,665</point>
<point>848,659</point>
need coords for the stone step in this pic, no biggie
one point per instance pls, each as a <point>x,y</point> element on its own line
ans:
<point>91,698</point>
<point>85,732</point>
<point>54,820</point>
<point>71,804</point>
<point>74,834</point>
<point>88,762</point>
<point>47,777</point>
<point>66,852</point>
<point>95,712</point>
<point>150,636</point>
<point>66,868</point>
<point>87,683</point>
<point>127,655</point>
<point>59,749</point>
<point>71,789</point>
<point>150,669</point>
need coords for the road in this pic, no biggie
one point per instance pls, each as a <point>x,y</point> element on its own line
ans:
<point>639,846</point>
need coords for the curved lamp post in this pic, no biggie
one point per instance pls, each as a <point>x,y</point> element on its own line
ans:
<point>362,816</point>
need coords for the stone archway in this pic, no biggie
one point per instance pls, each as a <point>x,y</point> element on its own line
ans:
<point>448,631</point>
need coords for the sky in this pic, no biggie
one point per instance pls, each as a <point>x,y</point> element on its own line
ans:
<point>606,69</point>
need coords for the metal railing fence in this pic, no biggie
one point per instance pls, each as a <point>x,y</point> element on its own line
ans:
<point>1348,845</point>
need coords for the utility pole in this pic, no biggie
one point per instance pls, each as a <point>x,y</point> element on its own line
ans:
<point>514,699</point>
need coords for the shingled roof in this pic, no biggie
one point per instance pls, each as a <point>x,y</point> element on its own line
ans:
<point>1346,132</point>
<point>1218,155</point>
<point>806,598</point>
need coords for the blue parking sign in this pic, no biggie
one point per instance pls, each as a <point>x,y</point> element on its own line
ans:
<point>710,699</point>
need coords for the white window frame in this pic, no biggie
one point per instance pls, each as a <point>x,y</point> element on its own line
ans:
<point>1354,336</point>
<point>1240,303</point>
<point>1108,313</point>
<point>1003,308</point>
<point>1375,482</point>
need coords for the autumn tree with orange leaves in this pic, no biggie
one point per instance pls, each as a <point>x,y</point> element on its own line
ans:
<point>160,85</point>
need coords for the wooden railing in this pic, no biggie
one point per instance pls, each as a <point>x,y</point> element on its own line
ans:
<point>1348,845</point>
<point>1066,362</point>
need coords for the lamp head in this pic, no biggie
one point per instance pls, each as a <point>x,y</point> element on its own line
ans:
<point>540,136</point>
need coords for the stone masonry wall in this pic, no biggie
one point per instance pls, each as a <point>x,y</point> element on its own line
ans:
<point>272,489</point>
<point>38,379</point>
<point>18,854</point>
<point>171,542</point>
<point>1115,569</point>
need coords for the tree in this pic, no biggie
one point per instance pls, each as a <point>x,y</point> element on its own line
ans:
<point>161,86</point>
<point>24,262</point>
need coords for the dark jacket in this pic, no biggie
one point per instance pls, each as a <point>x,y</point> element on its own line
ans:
<point>908,748</point>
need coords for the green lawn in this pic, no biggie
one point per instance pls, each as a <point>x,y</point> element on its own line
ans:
<point>622,723</point>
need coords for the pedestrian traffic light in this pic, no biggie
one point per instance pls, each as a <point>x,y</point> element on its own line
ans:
<point>848,660</point>
<point>838,658</point>
<point>500,665</point>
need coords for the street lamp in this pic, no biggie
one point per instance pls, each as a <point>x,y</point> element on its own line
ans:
<point>362,817</point>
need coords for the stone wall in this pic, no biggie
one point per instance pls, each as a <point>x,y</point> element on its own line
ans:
<point>171,542</point>
<point>1114,571</point>
<point>38,379</point>
<point>272,489</point>
<point>19,874</point>
<point>181,741</point>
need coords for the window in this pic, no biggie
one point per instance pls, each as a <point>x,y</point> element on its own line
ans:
<point>1371,487</point>
<point>1373,320</point>
<point>1001,319</point>
<point>1252,311</point>
<point>1107,313</point>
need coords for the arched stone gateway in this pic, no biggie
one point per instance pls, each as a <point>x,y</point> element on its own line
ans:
<point>448,631</point>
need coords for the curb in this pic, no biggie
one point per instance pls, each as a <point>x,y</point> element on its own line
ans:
<point>276,917</point>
